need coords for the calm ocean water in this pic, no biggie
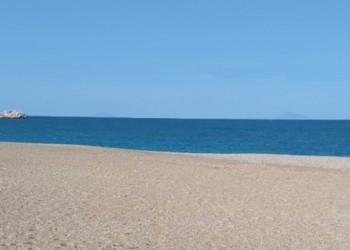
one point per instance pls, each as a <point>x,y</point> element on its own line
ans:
<point>180,135</point>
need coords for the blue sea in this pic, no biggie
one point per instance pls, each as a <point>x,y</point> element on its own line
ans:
<point>304,137</point>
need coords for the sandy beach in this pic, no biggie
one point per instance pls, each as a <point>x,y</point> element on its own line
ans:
<point>74,197</point>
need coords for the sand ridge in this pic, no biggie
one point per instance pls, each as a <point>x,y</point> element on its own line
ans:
<point>73,197</point>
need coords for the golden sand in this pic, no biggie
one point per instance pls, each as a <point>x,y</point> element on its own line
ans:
<point>72,197</point>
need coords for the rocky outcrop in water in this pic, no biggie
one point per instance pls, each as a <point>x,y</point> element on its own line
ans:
<point>12,114</point>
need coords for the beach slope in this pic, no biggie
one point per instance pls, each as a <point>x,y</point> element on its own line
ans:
<point>74,197</point>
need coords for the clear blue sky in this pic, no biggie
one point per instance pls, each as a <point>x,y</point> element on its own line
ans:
<point>181,59</point>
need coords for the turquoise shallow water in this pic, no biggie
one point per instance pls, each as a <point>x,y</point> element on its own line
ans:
<point>330,138</point>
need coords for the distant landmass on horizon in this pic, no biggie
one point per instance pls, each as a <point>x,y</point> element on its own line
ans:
<point>292,116</point>
<point>103,114</point>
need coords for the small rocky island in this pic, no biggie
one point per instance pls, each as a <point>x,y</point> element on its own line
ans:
<point>13,114</point>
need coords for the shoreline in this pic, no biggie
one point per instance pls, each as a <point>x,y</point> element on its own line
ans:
<point>83,197</point>
<point>313,161</point>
